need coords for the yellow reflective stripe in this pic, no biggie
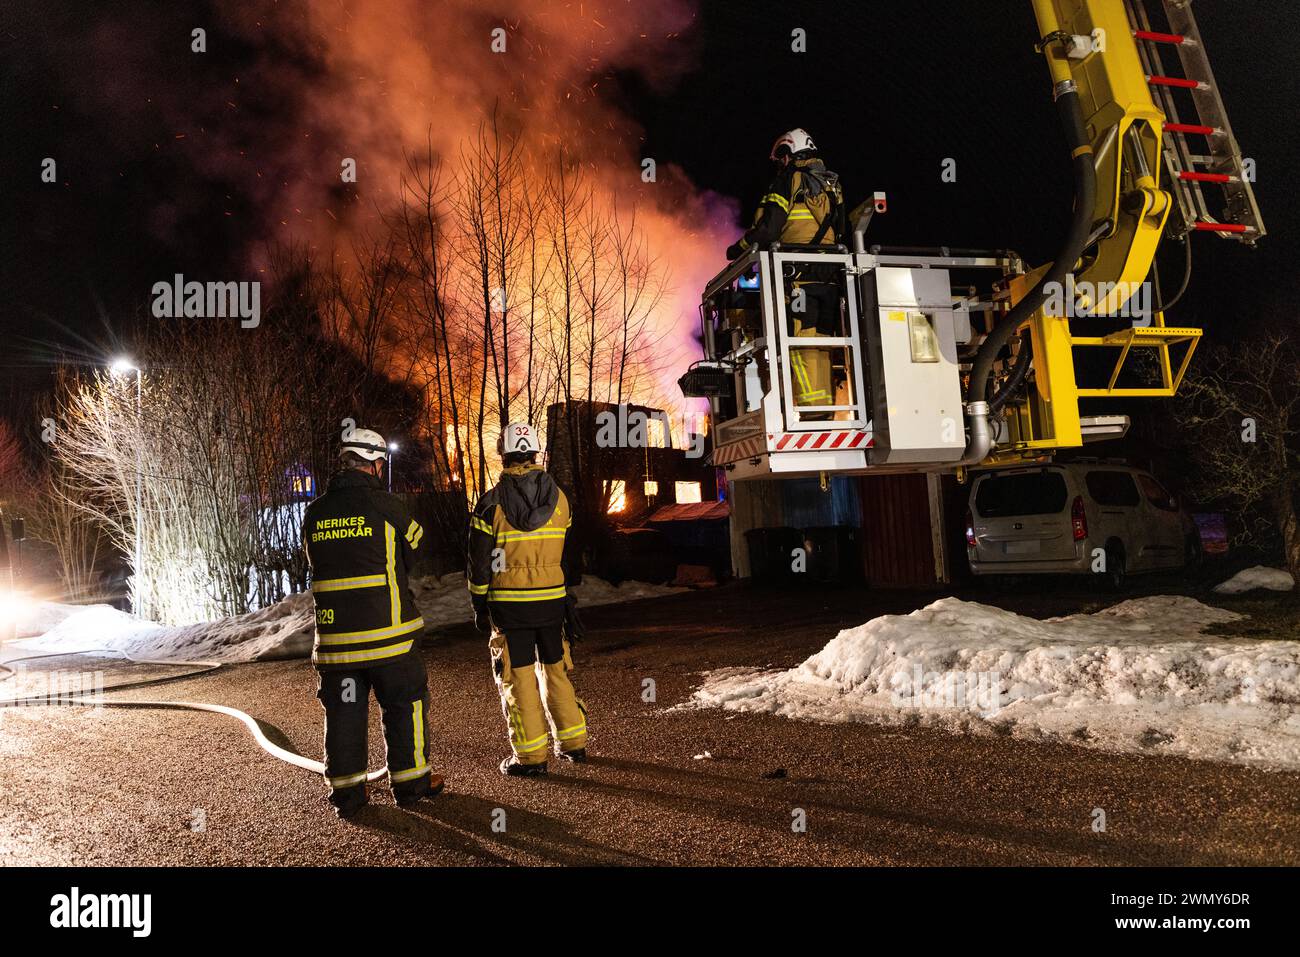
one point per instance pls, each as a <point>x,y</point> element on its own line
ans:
<point>532,594</point>
<point>478,589</point>
<point>482,526</point>
<point>394,596</point>
<point>531,536</point>
<point>419,537</point>
<point>525,746</point>
<point>410,775</point>
<point>801,214</point>
<point>573,732</point>
<point>342,584</point>
<point>349,657</point>
<point>346,780</point>
<point>777,199</point>
<point>800,371</point>
<point>411,529</point>
<point>417,736</point>
<point>374,634</point>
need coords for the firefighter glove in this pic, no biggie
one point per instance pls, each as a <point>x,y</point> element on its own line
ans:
<point>573,629</point>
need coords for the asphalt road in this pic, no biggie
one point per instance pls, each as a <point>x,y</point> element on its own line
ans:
<point>82,786</point>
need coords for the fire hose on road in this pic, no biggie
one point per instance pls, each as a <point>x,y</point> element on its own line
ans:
<point>73,698</point>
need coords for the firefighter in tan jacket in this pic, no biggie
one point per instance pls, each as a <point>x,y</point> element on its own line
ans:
<point>804,206</point>
<point>519,576</point>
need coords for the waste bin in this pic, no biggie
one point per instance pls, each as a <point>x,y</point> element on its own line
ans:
<point>834,554</point>
<point>770,552</point>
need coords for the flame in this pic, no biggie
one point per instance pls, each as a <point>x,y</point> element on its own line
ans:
<point>320,82</point>
<point>403,74</point>
<point>617,496</point>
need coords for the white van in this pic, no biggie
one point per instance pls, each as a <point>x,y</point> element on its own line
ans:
<point>1086,518</point>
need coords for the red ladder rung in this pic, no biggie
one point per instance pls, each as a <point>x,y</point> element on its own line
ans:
<point>1204,226</point>
<point>1191,128</point>
<point>1159,37</point>
<point>1178,82</point>
<point>1206,177</point>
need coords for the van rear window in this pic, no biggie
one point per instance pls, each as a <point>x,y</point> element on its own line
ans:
<point>1025,493</point>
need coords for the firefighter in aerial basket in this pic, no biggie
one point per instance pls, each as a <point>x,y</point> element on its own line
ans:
<point>519,576</point>
<point>361,545</point>
<point>804,206</point>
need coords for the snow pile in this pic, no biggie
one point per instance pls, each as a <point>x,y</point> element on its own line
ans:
<point>1138,676</point>
<point>39,617</point>
<point>445,600</point>
<point>1260,576</point>
<point>284,630</point>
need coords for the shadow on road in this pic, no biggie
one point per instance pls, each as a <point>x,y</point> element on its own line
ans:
<point>464,823</point>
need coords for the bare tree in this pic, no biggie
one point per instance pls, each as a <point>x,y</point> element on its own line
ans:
<point>1240,411</point>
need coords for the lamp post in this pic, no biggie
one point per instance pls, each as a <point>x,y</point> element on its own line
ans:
<point>122,366</point>
<point>392,453</point>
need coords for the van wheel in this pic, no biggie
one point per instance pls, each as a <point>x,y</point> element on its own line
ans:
<point>1115,576</point>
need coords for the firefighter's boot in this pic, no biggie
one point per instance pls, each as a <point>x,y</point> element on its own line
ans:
<point>514,768</point>
<point>436,785</point>
<point>521,701</point>
<point>567,712</point>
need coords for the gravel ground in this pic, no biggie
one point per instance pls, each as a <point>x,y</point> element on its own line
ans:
<point>81,786</point>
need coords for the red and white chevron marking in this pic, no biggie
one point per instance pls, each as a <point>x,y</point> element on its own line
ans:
<point>756,445</point>
<point>820,441</point>
<point>747,448</point>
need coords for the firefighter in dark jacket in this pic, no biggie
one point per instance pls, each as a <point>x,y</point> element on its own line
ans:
<point>361,545</point>
<point>804,206</point>
<point>519,577</point>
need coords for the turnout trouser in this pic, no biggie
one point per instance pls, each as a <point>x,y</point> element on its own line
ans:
<point>402,691</point>
<point>518,655</point>
<point>810,368</point>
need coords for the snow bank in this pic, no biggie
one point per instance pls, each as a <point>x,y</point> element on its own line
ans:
<point>1260,576</point>
<point>1138,676</point>
<point>445,600</point>
<point>284,630</point>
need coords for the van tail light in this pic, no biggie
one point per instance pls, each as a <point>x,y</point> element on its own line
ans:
<point>1078,519</point>
<point>970,529</point>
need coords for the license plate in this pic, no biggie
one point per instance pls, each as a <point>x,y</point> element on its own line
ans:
<point>1029,547</point>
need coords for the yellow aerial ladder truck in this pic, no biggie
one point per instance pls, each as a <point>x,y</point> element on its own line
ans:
<point>949,359</point>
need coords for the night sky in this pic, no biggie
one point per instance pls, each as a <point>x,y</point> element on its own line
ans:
<point>888,90</point>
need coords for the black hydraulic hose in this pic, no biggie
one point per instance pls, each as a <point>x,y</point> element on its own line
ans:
<point>1015,380</point>
<point>1160,304</point>
<point>1085,194</point>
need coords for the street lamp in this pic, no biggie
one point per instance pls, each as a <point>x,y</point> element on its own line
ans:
<point>122,366</point>
<point>392,452</point>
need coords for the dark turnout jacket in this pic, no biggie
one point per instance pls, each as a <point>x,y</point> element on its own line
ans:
<point>520,564</point>
<point>361,544</point>
<point>801,198</point>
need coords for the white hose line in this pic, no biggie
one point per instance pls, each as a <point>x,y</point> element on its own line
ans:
<point>254,726</point>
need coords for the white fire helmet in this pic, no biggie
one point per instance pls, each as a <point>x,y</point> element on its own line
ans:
<point>796,141</point>
<point>366,443</point>
<point>518,437</point>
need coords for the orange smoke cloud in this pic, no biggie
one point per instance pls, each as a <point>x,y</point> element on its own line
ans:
<point>397,75</point>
